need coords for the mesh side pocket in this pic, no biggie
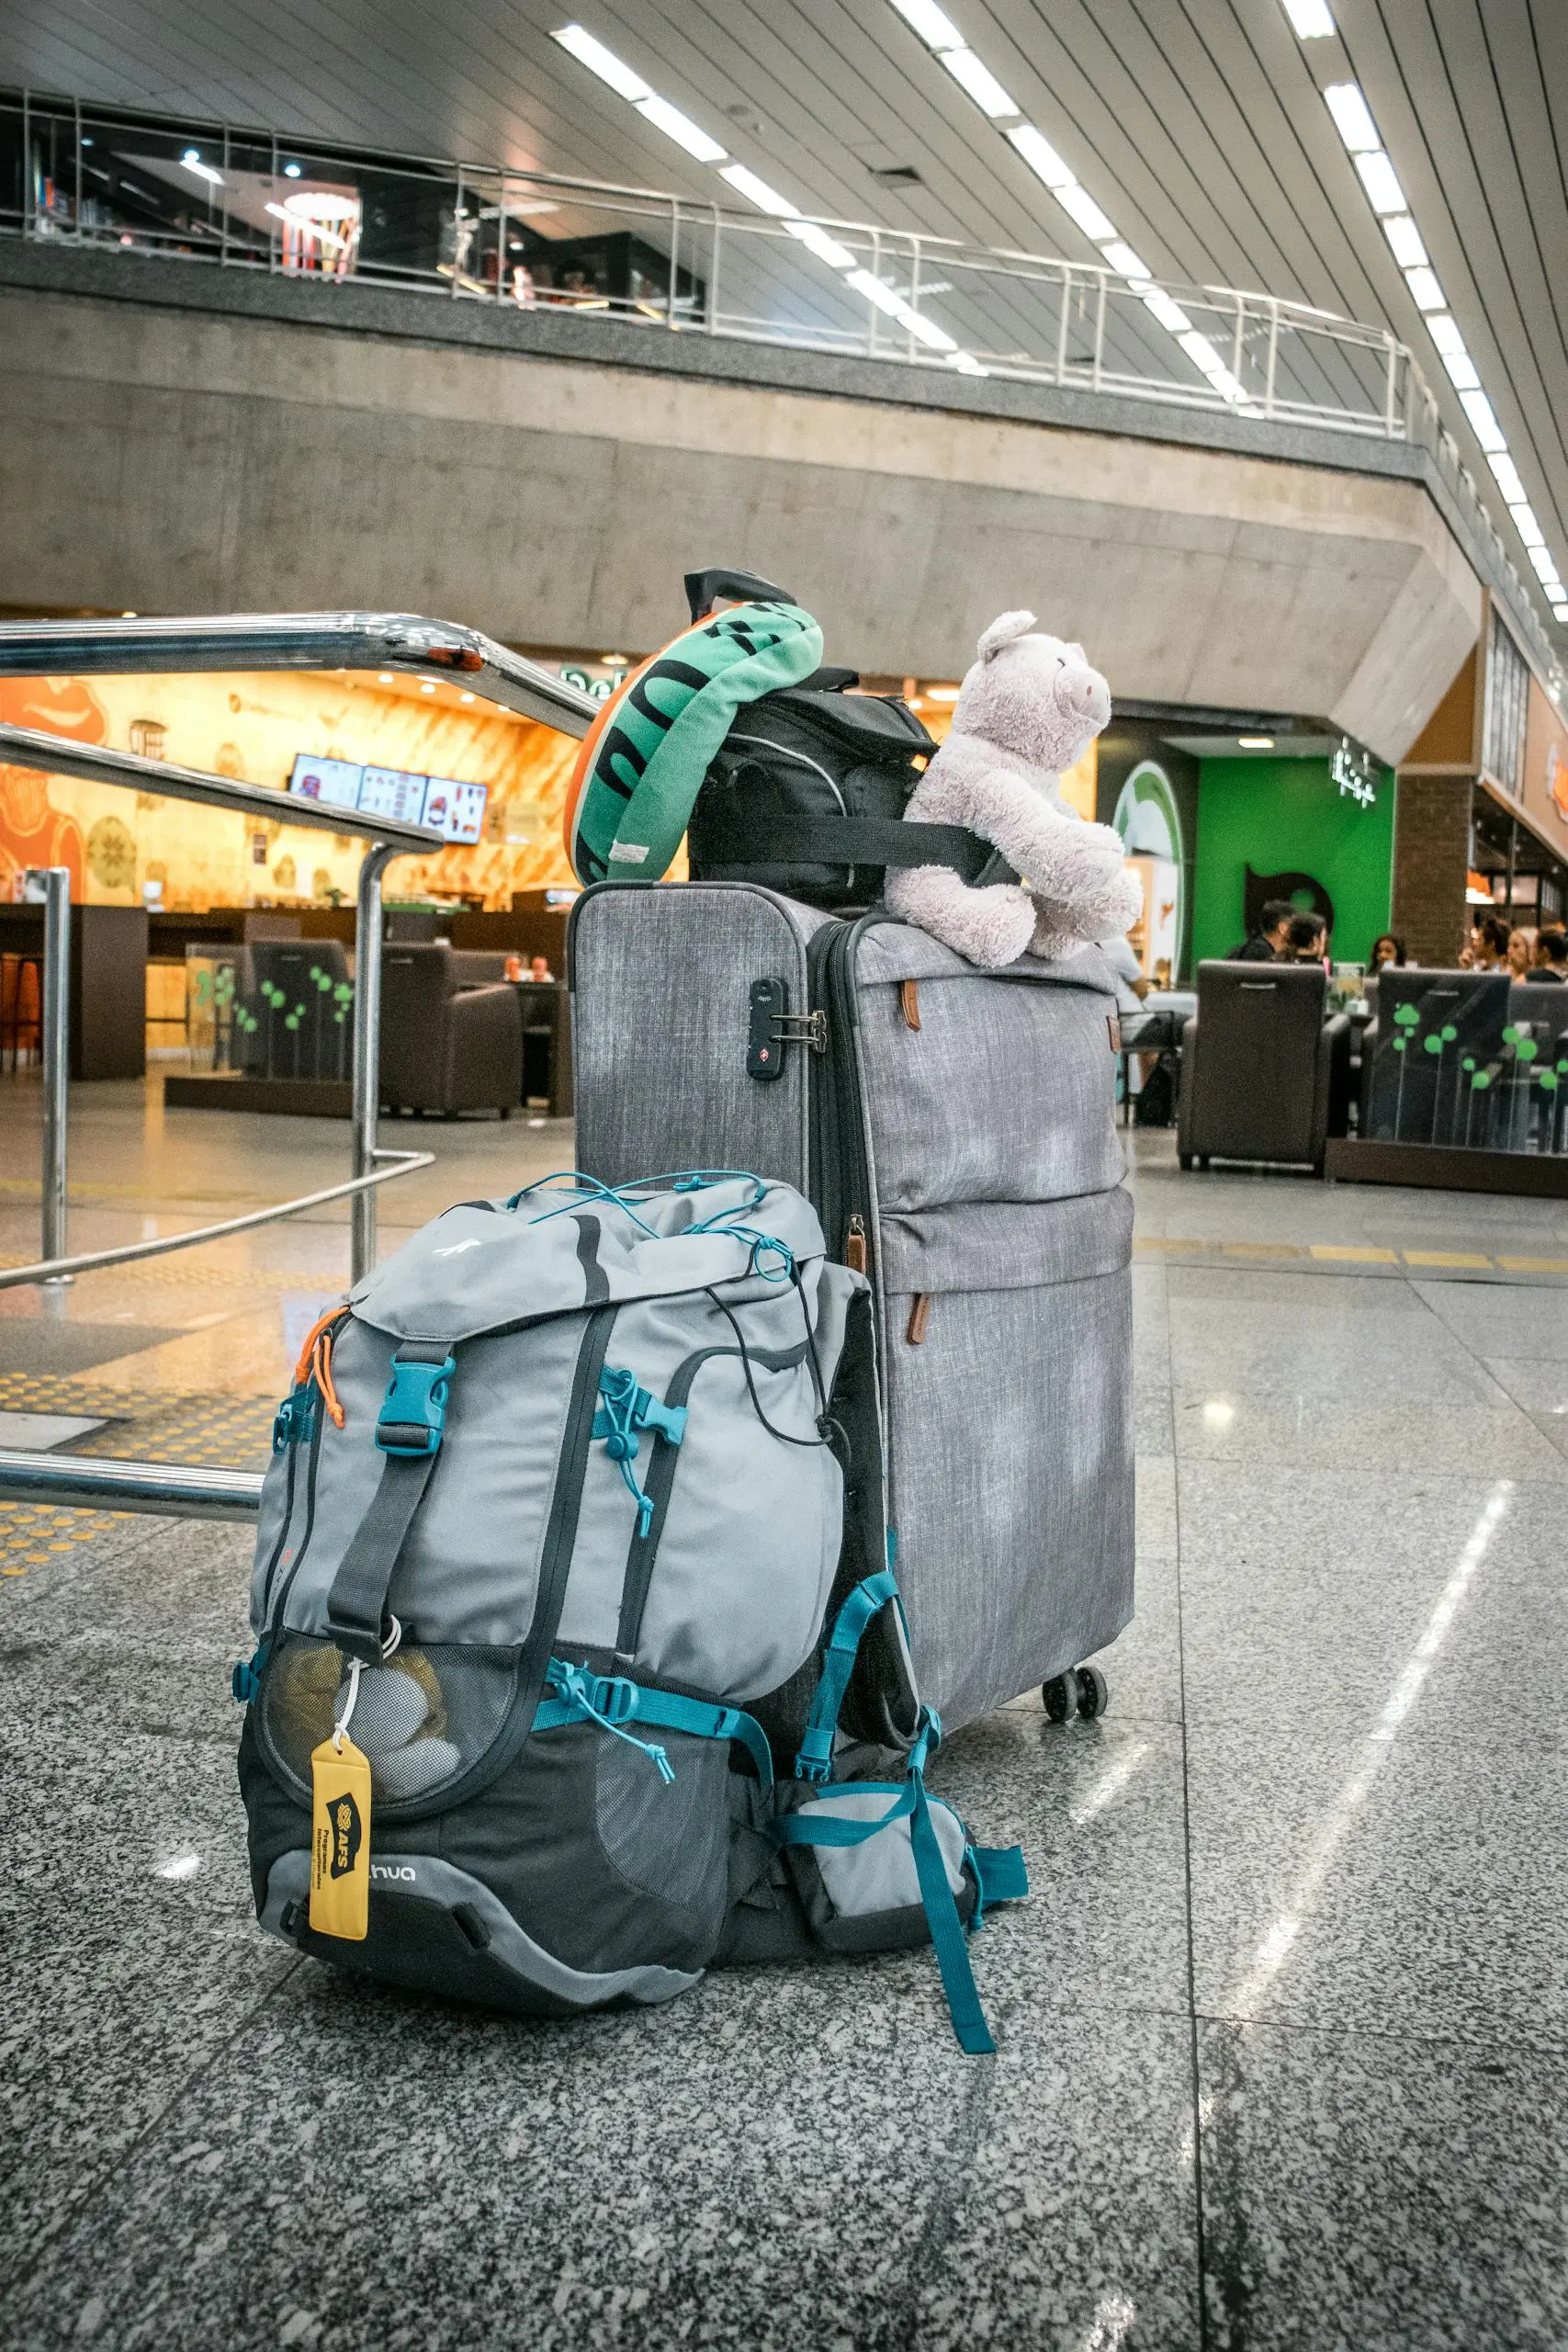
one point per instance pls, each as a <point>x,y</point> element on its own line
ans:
<point>667,1839</point>
<point>425,1720</point>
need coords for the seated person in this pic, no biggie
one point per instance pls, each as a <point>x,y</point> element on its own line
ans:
<point>1385,949</point>
<point>1270,943</point>
<point>1307,941</point>
<point>1519,954</point>
<point>1487,950</point>
<point>1151,1030</point>
<point>1550,955</point>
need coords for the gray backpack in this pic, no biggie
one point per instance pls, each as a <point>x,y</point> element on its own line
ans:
<point>571,1551</point>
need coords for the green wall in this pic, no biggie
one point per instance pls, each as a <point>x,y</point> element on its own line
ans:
<point>1281,815</point>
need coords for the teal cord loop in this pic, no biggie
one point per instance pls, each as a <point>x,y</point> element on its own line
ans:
<point>602,1702</point>
<point>626,1409</point>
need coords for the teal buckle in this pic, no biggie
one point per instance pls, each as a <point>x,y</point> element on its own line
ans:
<point>296,1417</point>
<point>413,1416</point>
<point>626,1409</point>
<point>245,1680</point>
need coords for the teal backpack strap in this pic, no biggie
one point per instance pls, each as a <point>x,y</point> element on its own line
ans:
<point>613,1701</point>
<point>814,1761</point>
<point>408,1432</point>
<point>948,1938</point>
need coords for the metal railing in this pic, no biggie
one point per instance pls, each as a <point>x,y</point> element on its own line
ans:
<point>254,199</point>
<point>247,642</point>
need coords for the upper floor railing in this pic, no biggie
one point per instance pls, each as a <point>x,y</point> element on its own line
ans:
<point>464,233</point>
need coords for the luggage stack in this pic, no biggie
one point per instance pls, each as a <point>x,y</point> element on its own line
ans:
<point>954,1130</point>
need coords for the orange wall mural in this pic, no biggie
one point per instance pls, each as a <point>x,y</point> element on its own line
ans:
<point>253,726</point>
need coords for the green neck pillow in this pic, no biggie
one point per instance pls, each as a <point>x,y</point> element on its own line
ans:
<point>643,759</point>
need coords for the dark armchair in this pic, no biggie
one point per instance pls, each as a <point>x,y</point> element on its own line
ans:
<point>1263,1076</point>
<point>446,1045</point>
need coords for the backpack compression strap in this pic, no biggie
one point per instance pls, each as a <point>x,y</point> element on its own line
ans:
<point>1000,1874</point>
<point>408,1432</point>
<point>733,839</point>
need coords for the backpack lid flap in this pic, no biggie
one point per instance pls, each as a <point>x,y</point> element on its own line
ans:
<point>488,1265</point>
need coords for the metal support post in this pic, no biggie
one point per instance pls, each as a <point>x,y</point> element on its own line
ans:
<point>56,1015</point>
<point>367,1048</point>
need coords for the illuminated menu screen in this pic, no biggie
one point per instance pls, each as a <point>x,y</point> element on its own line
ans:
<point>440,802</point>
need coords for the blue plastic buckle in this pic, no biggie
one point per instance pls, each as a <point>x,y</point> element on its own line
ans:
<point>628,1408</point>
<point>294,1420</point>
<point>245,1680</point>
<point>414,1415</point>
<point>814,1761</point>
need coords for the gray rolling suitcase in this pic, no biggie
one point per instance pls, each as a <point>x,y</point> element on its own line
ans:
<point>954,1129</point>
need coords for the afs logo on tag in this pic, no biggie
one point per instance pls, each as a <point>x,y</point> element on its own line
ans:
<point>342,1814</point>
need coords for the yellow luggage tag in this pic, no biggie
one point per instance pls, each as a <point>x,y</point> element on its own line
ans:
<point>340,1839</point>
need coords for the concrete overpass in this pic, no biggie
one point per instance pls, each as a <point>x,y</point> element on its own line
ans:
<point>188,439</point>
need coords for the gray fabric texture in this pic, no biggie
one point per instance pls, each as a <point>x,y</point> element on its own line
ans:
<point>661,984</point>
<point>1004,1092</point>
<point>425,1876</point>
<point>1011,1478</point>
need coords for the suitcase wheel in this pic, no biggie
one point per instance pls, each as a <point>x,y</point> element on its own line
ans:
<point>1061,1696</point>
<point>1083,1690</point>
<point>1094,1693</point>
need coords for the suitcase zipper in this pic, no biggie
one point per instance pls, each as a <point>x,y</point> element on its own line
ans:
<point>839,1173</point>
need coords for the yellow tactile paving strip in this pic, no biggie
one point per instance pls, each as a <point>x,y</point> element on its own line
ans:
<point>1332,1253</point>
<point>224,1433</point>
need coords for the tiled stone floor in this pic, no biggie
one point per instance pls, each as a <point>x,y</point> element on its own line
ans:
<point>1282,2033</point>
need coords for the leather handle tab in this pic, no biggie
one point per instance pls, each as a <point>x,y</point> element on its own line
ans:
<point>920,1316</point>
<point>910,1000</point>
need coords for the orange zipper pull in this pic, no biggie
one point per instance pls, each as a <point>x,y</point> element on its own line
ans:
<point>854,1246</point>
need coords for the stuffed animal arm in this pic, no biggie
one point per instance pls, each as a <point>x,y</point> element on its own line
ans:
<point>1029,706</point>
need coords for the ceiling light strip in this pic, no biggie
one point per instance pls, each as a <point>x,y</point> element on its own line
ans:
<point>1347,103</point>
<point>947,44</point>
<point>628,83</point>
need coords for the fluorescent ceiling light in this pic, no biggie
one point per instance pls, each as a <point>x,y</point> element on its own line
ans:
<point>1560,612</point>
<point>1445,334</point>
<point>1254,743</point>
<point>874,291</point>
<point>1381,182</point>
<point>1121,257</point>
<point>937,30</point>
<point>1424,286</point>
<point>1201,352</point>
<point>1405,241</point>
<point>1352,116</point>
<point>758,192</point>
<point>194,164</point>
<point>1507,476</point>
<point>972,73</point>
<point>1545,570</point>
<point>1040,156</point>
<point>306,226</point>
<point>1461,371</point>
<point>1171,315</point>
<point>967,364</point>
<point>1310,20</point>
<point>1528,529</point>
<point>580,44</point>
<point>1484,422</point>
<point>818,242</point>
<point>678,127</point>
<point>1079,206</point>
<point>927,331</point>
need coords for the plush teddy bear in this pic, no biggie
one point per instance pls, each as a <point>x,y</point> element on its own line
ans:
<point>1029,707</point>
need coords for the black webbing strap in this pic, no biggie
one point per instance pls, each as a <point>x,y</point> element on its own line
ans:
<point>845,841</point>
<point>357,1605</point>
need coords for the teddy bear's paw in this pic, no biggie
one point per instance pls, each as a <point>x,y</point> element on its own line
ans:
<point>989,927</point>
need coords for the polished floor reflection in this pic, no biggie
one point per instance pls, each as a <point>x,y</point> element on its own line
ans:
<point>1281,2035</point>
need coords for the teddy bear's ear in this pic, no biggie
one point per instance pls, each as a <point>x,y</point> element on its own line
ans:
<point>1004,630</point>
